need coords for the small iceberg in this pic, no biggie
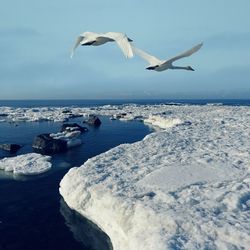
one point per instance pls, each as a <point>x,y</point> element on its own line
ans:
<point>27,164</point>
<point>71,138</point>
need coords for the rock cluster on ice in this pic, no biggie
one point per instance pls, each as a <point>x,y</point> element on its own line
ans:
<point>187,187</point>
<point>27,164</point>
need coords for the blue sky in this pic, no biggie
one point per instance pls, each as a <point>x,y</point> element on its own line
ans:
<point>36,38</point>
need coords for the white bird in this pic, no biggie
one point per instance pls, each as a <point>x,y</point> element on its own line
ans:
<point>96,39</point>
<point>160,65</point>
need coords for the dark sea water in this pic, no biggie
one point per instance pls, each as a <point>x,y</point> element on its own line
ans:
<point>33,216</point>
<point>85,103</point>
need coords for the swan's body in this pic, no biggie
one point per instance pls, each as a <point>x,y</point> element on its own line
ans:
<point>160,65</point>
<point>96,39</point>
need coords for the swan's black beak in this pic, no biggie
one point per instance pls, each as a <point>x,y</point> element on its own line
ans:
<point>152,67</point>
<point>190,68</point>
<point>130,40</point>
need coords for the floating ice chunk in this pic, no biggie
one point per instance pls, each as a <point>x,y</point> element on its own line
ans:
<point>71,137</point>
<point>73,134</point>
<point>58,135</point>
<point>27,164</point>
<point>66,135</point>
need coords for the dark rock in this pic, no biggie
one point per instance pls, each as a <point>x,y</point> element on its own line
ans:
<point>12,148</point>
<point>71,116</point>
<point>66,111</point>
<point>118,116</point>
<point>94,120</point>
<point>45,144</point>
<point>73,125</point>
<point>167,113</point>
<point>35,110</point>
<point>187,123</point>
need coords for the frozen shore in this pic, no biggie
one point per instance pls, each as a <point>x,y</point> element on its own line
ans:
<point>185,187</point>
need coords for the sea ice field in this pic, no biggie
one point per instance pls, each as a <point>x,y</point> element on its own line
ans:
<point>185,186</point>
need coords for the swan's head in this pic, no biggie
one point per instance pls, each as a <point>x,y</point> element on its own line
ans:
<point>190,68</point>
<point>152,67</point>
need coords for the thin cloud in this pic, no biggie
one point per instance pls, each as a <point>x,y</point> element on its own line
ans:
<point>6,33</point>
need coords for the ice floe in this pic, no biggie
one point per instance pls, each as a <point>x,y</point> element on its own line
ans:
<point>27,164</point>
<point>184,187</point>
<point>70,137</point>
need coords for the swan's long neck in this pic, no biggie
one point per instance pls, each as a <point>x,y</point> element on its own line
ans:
<point>178,67</point>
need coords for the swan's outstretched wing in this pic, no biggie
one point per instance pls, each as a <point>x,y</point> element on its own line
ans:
<point>122,41</point>
<point>78,41</point>
<point>186,53</point>
<point>151,59</point>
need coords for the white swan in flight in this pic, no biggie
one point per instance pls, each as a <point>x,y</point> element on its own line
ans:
<point>160,65</point>
<point>96,39</point>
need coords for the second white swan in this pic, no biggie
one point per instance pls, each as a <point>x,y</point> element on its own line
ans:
<point>161,65</point>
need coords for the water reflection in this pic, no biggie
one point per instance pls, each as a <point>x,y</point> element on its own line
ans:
<point>20,177</point>
<point>84,231</point>
<point>60,164</point>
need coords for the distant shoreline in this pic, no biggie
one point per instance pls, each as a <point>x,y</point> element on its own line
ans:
<point>101,102</point>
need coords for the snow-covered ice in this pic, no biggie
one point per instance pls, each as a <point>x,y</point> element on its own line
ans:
<point>184,187</point>
<point>70,137</point>
<point>161,122</point>
<point>27,164</point>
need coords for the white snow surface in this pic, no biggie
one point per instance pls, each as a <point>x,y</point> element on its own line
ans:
<point>184,187</point>
<point>27,164</point>
<point>161,122</point>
